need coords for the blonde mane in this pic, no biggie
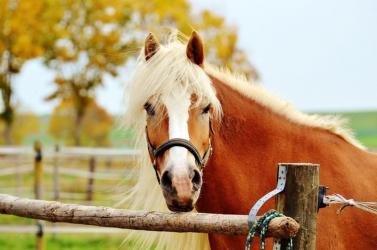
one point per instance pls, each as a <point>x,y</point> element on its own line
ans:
<point>169,71</point>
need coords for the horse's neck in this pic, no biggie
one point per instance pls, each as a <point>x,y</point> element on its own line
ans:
<point>250,141</point>
<point>252,131</point>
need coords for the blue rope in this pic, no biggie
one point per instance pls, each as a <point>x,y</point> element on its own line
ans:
<point>262,225</point>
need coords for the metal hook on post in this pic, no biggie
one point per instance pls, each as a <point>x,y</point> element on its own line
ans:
<point>282,177</point>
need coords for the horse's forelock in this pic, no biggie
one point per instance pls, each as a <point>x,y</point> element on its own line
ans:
<point>168,70</point>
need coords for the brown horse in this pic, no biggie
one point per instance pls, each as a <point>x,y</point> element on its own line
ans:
<point>192,109</point>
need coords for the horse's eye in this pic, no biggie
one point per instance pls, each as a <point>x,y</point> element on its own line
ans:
<point>149,108</point>
<point>206,109</point>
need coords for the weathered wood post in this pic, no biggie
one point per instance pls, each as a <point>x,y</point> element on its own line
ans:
<point>38,175</point>
<point>56,178</point>
<point>299,200</point>
<point>90,188</point>
<point>56,173</point>
<point>108,164</point>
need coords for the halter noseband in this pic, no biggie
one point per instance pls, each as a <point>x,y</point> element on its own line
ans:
<point>177,142</point>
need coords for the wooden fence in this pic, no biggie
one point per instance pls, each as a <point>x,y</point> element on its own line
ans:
<point>299,177</point>
<point>59,162</point>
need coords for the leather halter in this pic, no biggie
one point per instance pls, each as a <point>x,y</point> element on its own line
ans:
<point>177,142</point>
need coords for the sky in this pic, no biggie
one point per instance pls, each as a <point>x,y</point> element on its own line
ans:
<point>320,55</point>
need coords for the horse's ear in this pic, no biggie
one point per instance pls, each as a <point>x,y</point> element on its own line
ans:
<point>151,46</point>
<point>195,49</point>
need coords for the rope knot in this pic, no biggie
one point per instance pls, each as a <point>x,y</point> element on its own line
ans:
<point>261,227</point>
<point>351,202</point>
<point>370,207</point>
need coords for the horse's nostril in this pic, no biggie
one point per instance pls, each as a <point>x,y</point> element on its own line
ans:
<point>196,178</point>
<point>166,179</point>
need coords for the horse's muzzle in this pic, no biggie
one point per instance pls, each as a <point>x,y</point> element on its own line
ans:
<point>179,208</point>
<point>181,191</point>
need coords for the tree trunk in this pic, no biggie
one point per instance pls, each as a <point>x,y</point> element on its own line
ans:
<point>77,129</point>
<point>8,133</point>
<point>81,105</point>
<point>7,115</point>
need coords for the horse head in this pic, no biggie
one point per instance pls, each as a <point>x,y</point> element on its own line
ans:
<point>179,103</point>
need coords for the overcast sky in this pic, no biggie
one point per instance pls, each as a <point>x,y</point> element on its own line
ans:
<point>320,55</point>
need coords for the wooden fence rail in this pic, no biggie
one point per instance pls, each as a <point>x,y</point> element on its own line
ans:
<point>282,227</point>
<point>72,151</point>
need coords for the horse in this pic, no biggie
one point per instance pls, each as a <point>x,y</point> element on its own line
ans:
<point>210,141</point>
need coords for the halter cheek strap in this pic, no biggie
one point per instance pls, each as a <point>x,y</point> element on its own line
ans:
<point>177,142</point>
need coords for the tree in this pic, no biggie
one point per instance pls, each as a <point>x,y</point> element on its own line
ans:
<point>16,46</point>
<point>96,122</point>
<point>221,39</point>
<point>91,43</point>
<point>22,26</point>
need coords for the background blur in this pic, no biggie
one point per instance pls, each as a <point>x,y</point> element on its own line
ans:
<point>63,65</point>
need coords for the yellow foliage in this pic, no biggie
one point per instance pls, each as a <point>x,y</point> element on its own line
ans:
<point>220,38</point>
<point>21,23</point>
<point>95,126</point>
<point>24,26</point>
<point>2,47</point>
<point>25,124</point>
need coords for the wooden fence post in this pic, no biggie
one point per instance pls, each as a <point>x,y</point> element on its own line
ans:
<point>56,173</point>
<point>299,200</point>
<point>108,164</point>
<point>90,189</point>
<point>38,175</point>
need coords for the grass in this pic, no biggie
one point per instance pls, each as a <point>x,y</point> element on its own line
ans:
<point>64,242</point>
<point>14,220</point>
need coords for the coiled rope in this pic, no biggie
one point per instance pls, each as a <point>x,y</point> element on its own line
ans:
<point>261,225</point>
<point>370,207</point>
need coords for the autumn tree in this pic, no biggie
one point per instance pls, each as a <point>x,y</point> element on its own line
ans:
<point>96,122</point>
<point>17,44</point>
<point>24,33</point>
<point>91,43</point>
<point>221,39</point>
